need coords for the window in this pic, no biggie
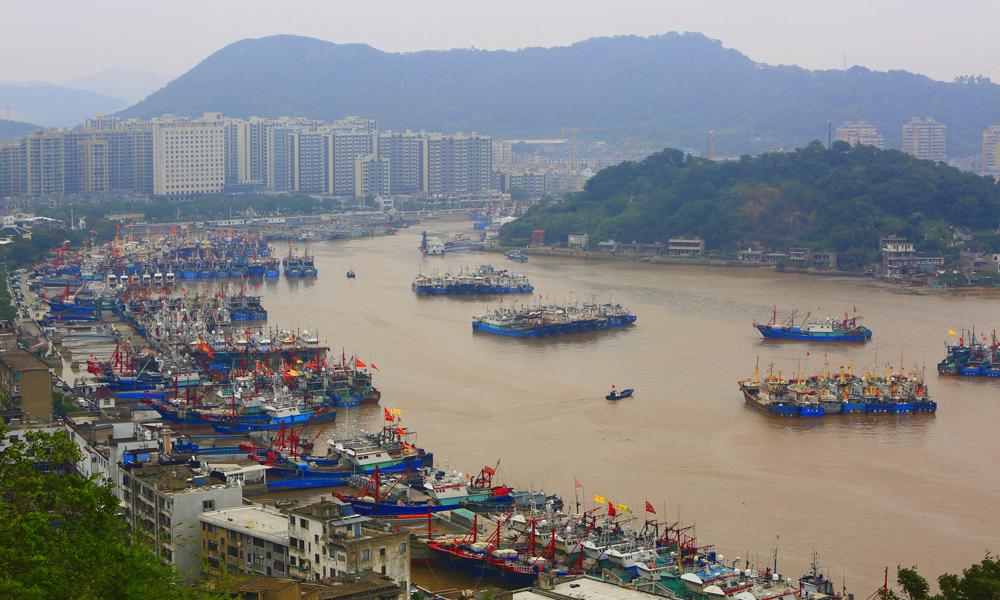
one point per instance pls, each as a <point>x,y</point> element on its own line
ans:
<point>212,562</point>
<point>402,547</point>
<point>207,505</point>
<point>258,542</point>
<point>233,551</point>
<point>317,557</point>
<point>213,528</point>
<point>366,554</point>
<point>383,569</point>
<point>213,546</point>
<point>291,561</point>
<point>316,538</point>
<point>381,551</point>
<point>303,524</point>
<point>231,534</point>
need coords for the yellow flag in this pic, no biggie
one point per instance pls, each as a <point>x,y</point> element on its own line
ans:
<point>396,412</point>
<point>622,507</point>
<point>952,332</point>
<point>600,500</point>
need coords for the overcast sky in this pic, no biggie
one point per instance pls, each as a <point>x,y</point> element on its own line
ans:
<point>59,40</point>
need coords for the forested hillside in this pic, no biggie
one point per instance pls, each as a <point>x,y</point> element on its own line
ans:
<point>839,199</point>
<point>13,130</point>
<point>667,88</point>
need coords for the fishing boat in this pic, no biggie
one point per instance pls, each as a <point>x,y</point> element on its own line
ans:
<point>516,255</point>
<point>615,395</point>
<point>350,273</point>
<point>830,329</point>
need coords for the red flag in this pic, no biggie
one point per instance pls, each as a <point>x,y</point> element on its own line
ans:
<point>374,367</point>
<point>388,415</point>
<point>855,309</point>
<point>359,364</point>
<point>577,482</point>
<point>649,507</point>
<point>172,230</point>
<point>400,431</point>
<point>611,509</point>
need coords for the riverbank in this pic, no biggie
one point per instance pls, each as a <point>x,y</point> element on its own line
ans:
<point>658,259</point>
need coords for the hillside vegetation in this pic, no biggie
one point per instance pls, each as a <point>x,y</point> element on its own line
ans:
<point>839,199</point>
<point>666,88</point>
<point>13,130</point>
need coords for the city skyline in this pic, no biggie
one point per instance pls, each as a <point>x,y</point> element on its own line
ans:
<point>772,32</point>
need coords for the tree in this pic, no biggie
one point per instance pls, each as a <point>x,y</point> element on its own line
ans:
<point>518,193</point>
<point>61,536</point>
<point>978,582</point>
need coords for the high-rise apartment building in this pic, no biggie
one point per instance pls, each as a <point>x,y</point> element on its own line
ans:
<point>309,164</point>
<point>372,176</point>
<point>345,150</point>
<point>10,169</point>
<point>990,138</point>
<point>188,155</point>
<point>407,153</point>
<point>924,138</point>
<point>459,163</point>
<point>859,132</point>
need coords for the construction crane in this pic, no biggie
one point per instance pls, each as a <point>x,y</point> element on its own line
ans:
<point>711,139</point>
<point>575,129</point>
<point>661,144</point>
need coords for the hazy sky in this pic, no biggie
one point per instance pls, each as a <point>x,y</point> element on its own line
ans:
<point>57,41</point>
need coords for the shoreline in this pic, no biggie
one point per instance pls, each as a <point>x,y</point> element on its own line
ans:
<point>892,288</point>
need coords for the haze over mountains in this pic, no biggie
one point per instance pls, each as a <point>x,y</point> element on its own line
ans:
<point>667,89</point>
<point>131,85</point>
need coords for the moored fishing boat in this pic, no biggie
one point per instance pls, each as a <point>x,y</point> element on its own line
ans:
<point>827,330</point>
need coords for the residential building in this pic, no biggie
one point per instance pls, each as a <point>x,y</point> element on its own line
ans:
<point>188,155</point>
<point>247,539</point>
<point>162,500</point>
<point>407,153</point>
<point>26,385</point>
<point>364,586</point>
<point>372,176</point>
<point>859,132</point>
<point>609,246</point>
<point>963,234</point>
<point>345,149</point>
<point>924,138</point>
<point>459,163</point>
<point>750,255</point>
<point>326,540</point>
<point>824,260</point>
<point>990,138</point>
<point>105,443</point>
<point>800,256</point>
<point>685,246</point>
<point>578,241</point>
<point>900,258</point>
<point>974,263</point>
<point>10,169</point>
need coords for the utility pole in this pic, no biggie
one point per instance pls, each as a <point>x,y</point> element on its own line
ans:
<point>829,134</point>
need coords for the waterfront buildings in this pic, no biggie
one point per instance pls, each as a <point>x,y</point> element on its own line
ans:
<point>900,258</point>
<point>685,246</point>
<point>859,132</point>
<point>924,138</point>
<point>188,157</point>
<point>245,539</point>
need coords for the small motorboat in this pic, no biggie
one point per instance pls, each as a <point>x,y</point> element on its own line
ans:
<point>616,395</point>
<point>350,274</point>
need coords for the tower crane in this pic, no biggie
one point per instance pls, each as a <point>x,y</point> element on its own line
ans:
<point>575,129</point>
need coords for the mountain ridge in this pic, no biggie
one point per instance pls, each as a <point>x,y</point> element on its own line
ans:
<point>671,87</point>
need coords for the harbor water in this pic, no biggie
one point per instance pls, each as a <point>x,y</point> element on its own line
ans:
<point>867,492</point>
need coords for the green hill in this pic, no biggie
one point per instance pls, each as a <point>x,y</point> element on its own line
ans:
<point>13,130</point>
<point>668,88</point>
<point>841,199</point>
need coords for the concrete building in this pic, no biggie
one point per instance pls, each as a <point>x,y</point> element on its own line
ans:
<point>326,541</point>
<point>26,385</point>
<point>372,176</point>
<point>245,539</point>
<point>859,132</point>
<point>188,155</point>
<point>162,500</point>
<point>106,443</point>
<point>990,138</point>
<point>459,163</point>
<point>685,246</point>
<point>974,263</point>
<point>345,149</point>
<point>579,241</point>
<point>609,246</point>
<point>824,260</point>
<point>924,139</point>
<point>750,255</point>
<point>10,169</point>
<point>800,256</point>
<point>900,258</point>
<point>407,155</point>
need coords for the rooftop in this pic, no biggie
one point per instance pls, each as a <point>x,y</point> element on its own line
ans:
<point>22,360</point>
<point>258,519</point>
<point>586,588</point>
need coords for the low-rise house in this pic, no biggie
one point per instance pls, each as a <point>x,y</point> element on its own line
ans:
<point>974,263</point>
<point>799,256</point>
<point>578,241</point>
<point>609,246</point>
<point>824,260</point>
<point>685,246</point>
<point>963,235</point>
<point>750,255</point>
<point>652,248</point>
<point>773,257</point>
<point>630,248</point>
<point>26,385</point>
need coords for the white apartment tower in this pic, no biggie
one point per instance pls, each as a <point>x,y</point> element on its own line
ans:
<point>188,155</point>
